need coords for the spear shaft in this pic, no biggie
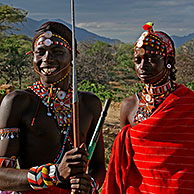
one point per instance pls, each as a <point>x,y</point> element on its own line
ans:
<point>75,100</point>
<point>98,128</point>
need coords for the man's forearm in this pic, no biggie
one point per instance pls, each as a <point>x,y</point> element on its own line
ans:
<point>14,179</point>
<point>98,174</point>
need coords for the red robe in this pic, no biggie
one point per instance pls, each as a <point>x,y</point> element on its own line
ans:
<point>157,155</point>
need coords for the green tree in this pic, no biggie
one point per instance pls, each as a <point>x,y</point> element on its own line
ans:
<point>191,85</point>
<point>9,16</point>
<point>95,61</point>
<point>14,65</point>
<point>125,64</point>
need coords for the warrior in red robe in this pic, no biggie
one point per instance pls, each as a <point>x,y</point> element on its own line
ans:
<point>154,152</point>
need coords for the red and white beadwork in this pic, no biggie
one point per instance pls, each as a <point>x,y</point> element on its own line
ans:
<point>9,133</point>
<point>48,40</point>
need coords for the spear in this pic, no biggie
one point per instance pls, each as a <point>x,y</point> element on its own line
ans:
<point>75,101</point>
<point>97,130</point>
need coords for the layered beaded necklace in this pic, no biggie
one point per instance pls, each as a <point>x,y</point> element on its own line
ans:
<point>151,98</point>
<point>58,103</point>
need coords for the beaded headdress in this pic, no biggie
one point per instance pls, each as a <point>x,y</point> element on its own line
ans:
<point>48,40</point>
<point>160,41</point>
<point>53,29</point>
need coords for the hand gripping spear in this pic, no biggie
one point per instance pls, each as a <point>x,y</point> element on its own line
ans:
<point>75,101</point>
<point>97,131</point>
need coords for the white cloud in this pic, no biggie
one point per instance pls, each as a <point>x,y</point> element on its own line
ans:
<point>120,31</point>
<point>121,19</point>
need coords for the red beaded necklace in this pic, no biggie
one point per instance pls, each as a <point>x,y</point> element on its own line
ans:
<point>151,98</point>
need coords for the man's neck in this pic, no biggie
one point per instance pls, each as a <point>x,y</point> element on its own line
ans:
<point>64,84</point>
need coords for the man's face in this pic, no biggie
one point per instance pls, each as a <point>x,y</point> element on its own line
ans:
<point>52,62</point>
<point>150,68</point>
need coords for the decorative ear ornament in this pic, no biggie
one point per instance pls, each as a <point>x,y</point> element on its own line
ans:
<point>169,66</point>
<point>140,51</point>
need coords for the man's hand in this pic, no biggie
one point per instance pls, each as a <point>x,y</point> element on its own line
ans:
<point>74,162</point>
<point>81,184</point>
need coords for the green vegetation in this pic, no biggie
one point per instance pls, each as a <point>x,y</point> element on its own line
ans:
<point>2,92</point>
<point>97,89</point>
<point>191,85</point>
<point>14,65</point>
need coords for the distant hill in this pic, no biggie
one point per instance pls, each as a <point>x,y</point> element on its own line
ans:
<point>180,40</point>
<point>28,28</point>
<point>186,49</point>
<point>185,62</point>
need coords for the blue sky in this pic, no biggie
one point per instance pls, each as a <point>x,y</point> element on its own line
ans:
<point>120,19</point>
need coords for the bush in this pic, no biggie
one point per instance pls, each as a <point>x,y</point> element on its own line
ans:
<point>2,92</point>
<point>191,85</point>
<point>97,89</point>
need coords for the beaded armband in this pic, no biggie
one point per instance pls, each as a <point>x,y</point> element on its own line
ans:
<point>42,177</point>
<point>94,185</point>
<point>9,133</point>
<point>7,162</point>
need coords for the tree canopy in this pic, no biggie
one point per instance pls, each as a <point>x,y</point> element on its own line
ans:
<point>14,64</point>
<point>10,16</point>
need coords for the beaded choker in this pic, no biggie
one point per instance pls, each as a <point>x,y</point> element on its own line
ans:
<point>158,90</point>
<point>151,98</point>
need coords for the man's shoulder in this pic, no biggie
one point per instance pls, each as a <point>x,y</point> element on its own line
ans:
<point>88,97</point>
<point>90,101</point>
<point>130,101</point>
<point>17,96</point>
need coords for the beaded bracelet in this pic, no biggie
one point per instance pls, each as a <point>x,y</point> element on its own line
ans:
<point>9,133</point>
<point>94,185</point>
<point>42,177</point>
<point>8,162</point>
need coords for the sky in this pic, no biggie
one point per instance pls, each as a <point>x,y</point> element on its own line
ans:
<point>118,19</point>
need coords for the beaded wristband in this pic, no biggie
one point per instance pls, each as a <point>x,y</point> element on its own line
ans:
<point>94,185</point>
<point>8,162</point>
<point>42,177</point>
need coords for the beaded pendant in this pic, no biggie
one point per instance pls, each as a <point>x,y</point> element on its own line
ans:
<point>58,103</point>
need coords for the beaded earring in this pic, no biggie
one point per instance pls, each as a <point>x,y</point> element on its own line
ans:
<point>169,66</point>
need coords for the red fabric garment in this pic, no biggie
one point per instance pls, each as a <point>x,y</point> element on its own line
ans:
<point>157,155</point>
<point>51,190</point>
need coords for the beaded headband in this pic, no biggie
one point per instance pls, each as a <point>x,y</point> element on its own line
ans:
<point>159,40</point>
<point>47,42</point>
